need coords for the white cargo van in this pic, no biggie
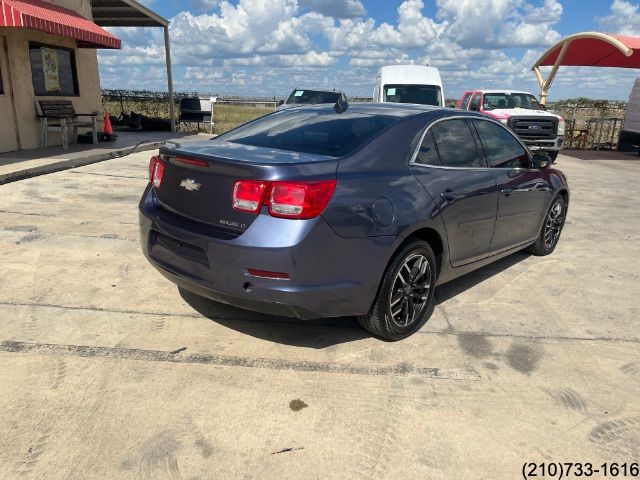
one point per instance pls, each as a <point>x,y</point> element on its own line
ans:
<point>409,84</point>
<point>629,139</point>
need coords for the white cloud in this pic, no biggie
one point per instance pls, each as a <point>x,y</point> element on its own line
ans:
<point>335,8</point>
<point>624,18</point>
<point>267,47</point>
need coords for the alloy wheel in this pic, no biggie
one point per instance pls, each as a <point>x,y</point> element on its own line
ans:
<point>553,225</point>
<point>410,290</point>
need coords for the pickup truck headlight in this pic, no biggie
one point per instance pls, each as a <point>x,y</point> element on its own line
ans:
<point>504,121</point>
<point>561,125</point>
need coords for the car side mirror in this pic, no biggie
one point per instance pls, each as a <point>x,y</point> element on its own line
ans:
<point>475,109</point>
<point>540,160</point>
<point>280,102</point>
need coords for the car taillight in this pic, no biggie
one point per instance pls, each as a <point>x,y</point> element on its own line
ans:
<point>248,195</point>
<point>299,199</point>
<point>156,171</point>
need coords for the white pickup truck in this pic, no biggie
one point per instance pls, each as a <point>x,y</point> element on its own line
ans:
<point>520,111</point>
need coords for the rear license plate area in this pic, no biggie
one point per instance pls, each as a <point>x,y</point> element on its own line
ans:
<point>177,253</point>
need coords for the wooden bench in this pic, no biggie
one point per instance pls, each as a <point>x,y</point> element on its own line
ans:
<point>59,115</point>
<point>197,110</point>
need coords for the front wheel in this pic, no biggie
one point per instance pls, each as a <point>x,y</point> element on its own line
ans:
<point>553,155</point>
<point>405,295</point>
<point>551,228</point>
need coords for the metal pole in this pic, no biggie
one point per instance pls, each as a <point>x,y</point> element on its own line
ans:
<point>167,51</point>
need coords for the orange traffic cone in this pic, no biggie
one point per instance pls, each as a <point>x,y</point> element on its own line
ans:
<point>108,129</point>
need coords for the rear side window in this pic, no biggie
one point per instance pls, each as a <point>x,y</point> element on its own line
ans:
<point>456,144</point>
<point>465,101</point>
<point>500,148</point>
<point>318,133</point>
<point>475,102</point>
<point>312,97</point>
<point>427,154</point>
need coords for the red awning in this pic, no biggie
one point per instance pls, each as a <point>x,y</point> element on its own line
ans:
<point>594,49</point>
<point>49,18</point>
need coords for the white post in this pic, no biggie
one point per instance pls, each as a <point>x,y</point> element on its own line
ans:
<point>167,51</point>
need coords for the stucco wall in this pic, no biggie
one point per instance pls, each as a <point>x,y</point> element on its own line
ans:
<point>88,99</point>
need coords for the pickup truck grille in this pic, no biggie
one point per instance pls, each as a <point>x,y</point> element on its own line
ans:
<point>533,128</point>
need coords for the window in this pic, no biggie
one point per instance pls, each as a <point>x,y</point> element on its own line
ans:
<point>456,144</point>
<point>422,94</point>
<point>510,100</point>
<point>53,71</point>
<point>310,132</point>
<point>500,148</point>
<point>427,154</point>
<point>312,97</point>
<point>465,101</point>
<point>475,102</point>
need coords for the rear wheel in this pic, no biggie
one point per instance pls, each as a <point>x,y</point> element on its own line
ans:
<point>405,294</point>
<point>551,228</point>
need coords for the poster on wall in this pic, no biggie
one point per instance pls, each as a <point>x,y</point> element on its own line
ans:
<point>50,70</point>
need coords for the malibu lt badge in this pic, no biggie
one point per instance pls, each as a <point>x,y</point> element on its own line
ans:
<point>190,185</point>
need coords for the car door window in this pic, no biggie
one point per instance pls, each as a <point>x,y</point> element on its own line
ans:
<point>427,154</point>
<point>456,144</point>
<point>475,102</point>
<point>465,101</point>
<point>500,147</point>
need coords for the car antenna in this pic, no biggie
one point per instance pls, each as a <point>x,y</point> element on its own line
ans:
<point>342,104</point>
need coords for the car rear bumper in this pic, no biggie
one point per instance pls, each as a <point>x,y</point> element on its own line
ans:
<point>330,275</point>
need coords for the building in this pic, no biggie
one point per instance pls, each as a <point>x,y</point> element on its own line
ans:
<point>48,50</point>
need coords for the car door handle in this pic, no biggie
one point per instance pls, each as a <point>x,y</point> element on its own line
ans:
<point>507,191</point>
<point>449,195</point>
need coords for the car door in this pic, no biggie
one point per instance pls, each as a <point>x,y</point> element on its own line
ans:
<point>522,190</point>
<point>451,166</point>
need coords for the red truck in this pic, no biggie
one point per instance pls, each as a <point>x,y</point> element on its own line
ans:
<point>538,129</point>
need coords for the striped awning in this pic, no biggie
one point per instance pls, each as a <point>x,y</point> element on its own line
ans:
<point>49,18</point>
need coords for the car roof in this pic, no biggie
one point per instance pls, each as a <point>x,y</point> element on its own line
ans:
<point>380,108</point>
<point>331,90</point>
<point>500,91</point>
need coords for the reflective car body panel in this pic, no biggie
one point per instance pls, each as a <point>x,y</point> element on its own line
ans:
<point>334,262</point>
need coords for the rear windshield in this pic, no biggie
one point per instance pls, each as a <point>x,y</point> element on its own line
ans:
<point>422,94</point>
<point>312,97</point>
<point>312,132</point>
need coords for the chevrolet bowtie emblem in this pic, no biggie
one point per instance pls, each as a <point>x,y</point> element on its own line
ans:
<point>190,185</point>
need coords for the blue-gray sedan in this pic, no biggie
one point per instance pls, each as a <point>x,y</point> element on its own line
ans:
<point>358,210</point>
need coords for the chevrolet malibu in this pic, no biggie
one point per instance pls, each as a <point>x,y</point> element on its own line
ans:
<point>357,210</point>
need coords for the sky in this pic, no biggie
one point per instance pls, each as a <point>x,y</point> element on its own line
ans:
<point>269,47</point>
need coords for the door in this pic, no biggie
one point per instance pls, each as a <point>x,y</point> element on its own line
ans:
<point>451,166</point>
<point>8,139</point>
<point>522,191</point>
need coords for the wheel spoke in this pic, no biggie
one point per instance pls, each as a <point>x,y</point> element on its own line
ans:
<point>396,298</point>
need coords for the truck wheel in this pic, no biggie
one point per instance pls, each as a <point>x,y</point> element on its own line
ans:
<point>553,155</point>
<point>405,294</point>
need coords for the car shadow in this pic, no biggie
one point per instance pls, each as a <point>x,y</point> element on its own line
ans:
<point>455,287</point>
<point>317,334</point>
<point>325,332</point>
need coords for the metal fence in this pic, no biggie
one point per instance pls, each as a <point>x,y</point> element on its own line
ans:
<point>594,126</point>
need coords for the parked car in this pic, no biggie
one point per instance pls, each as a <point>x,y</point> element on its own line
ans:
<point>418,84</point>
<point>310,96</point>
<point>521,112</point>
<point>312,213</point>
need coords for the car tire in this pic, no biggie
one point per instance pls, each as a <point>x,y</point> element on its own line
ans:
<point>403,303</point>
<point>551,228</point>
<point>553,155</point>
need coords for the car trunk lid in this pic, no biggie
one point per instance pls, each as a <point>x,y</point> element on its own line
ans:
<point>199,178</point>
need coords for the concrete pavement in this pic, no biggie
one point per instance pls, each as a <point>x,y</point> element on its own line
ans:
<point>108,371</point>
